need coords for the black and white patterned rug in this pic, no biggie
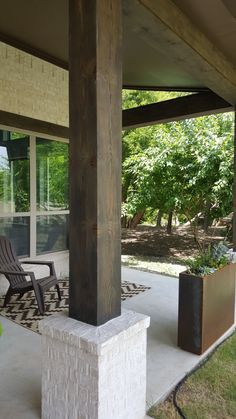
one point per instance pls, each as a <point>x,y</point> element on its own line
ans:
<point>25,311</point>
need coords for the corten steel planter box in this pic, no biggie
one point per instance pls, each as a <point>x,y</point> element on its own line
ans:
<point>206,308</point>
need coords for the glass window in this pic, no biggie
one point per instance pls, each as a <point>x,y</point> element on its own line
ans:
<point>52,175</point>
<point>14,172</point>
<point>49,179</point>
<point>17,229</point>
<point>52,233</point>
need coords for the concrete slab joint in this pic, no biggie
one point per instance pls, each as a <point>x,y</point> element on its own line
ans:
<point>94,372</point>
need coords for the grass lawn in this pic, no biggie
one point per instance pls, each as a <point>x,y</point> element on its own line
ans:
<point>210,392</point>
<point>164,266</point>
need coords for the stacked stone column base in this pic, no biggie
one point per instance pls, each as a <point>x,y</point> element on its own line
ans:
<point>94,372</point>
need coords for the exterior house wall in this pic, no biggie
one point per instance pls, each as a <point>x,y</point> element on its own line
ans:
<point>32,87</point>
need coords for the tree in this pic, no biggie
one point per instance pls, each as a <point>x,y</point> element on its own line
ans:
<point>183,167</point>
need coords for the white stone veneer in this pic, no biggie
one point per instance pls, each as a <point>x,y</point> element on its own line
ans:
<point>94,372</point>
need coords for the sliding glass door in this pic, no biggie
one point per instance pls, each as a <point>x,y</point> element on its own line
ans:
<point>52,195</point>
<point>33,192</point>
<point>15,189</point>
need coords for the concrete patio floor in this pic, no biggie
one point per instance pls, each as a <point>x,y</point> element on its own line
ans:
<point>20,350</point>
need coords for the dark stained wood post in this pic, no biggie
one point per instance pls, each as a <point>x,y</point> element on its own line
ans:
<point>234,188</point>
<point>95,83</point>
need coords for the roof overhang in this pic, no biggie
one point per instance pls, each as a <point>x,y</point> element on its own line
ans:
<point>164,46</point>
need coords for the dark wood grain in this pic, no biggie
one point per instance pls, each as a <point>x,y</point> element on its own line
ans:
<point>95,159</point>
<point>184,107</point>
<point>166,88</point>
<point>34,125</point>
<point>161,112</point>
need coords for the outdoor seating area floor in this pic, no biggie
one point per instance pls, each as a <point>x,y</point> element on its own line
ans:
<point>25,312</point>
<point>20,350</point>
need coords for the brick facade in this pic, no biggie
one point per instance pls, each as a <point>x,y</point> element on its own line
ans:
<point>94,372</point>
<point>32,87</point>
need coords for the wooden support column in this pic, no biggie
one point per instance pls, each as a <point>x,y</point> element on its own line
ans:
<point>95,83</point>
<point>234,188</point>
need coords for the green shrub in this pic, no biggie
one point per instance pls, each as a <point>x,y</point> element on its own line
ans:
<point>209,260</point>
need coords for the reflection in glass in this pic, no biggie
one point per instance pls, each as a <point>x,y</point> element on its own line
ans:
<point>17,229</point>
<point>52,233</point>
<point>14,172</point>
<point>52,175</point>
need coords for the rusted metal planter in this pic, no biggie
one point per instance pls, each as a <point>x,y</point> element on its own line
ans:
<point>206,308</point>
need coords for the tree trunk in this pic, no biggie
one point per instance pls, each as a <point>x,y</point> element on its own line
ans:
<point>195,230</point>
<point>124,222</point>
<point>169,224</point>
<point>159,217</point>
<point>207,216</point>
<point>136,219</point>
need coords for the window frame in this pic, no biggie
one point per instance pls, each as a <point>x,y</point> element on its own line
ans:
<point>33,213</point>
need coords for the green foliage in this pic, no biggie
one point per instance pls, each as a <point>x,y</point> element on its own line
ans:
<point>52,174</point>
<point>0,329</point>
<point>14,171</point>
<point>184,166</point>
<point>21,185</point>
<point>209,260</point>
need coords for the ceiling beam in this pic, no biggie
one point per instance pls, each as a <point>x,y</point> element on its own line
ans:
<point>166,28</point>
<point>166,88</point>
<point>16,121</point>
<point>184,107</point>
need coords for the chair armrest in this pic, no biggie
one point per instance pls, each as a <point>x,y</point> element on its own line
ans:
<point>50,264</point>
<point>24,273</point>
<point>36,262</point>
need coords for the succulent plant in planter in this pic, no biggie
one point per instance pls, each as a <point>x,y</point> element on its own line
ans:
<point>210,259</point>
<point>206,298</point>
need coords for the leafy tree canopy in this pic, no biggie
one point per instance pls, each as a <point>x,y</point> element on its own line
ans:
<point>185,166</point>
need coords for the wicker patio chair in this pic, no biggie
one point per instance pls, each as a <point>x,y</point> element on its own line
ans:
<point>10,266</point>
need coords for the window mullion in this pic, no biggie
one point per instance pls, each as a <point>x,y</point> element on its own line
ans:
<point>32,196</point>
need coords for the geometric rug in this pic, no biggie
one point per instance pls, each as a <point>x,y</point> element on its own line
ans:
<point>25,311</point>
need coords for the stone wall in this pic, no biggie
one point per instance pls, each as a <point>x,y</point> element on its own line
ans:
<point>94,372</point>
<point>32,87</point>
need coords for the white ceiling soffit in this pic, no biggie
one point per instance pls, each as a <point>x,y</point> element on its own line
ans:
<point>216,19</point>
<point>42,25</point>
